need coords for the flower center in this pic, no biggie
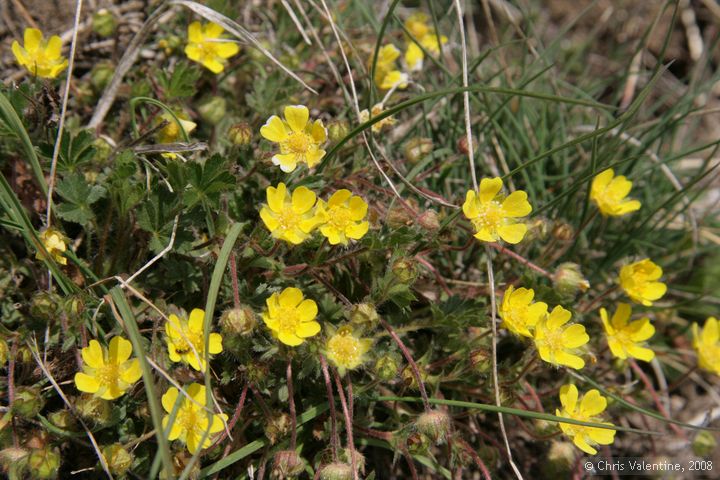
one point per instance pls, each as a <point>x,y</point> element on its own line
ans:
<point>298,142</point>
<point>182,347</point>
<point>490,216</point>
<point>339,217</point>
<point>345,348</point>
<point>288,320</point>
<point>187,417</point>
<point>553,340</point>
<point>288,218</point>
<point>108,374</point>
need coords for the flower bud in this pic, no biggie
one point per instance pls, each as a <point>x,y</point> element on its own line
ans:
<point>180,461</point>
<point>404,269</point>
<point>94,409</point>
<point>104,23</point>
<point>462,145</point>
<point>240,134</point>
<point>287,464</point>
<point>4,352</point>
<point>63,419</point>
<point>569,280</point>
<point>238,321</point>
<point>704,444</point>
<point>24,355</point>
<point>347,456</point>
<point>416,149</point>
<point>278,427</point>
<point>435,425</point>
<point>336,471</point>
<point>408,377</point>
<point>256,373</point>
<point>44,306</point>
<point>481,360</point>
<point>560,459</point>
<point>563,232</point>
<point>101,74</point>
<point>399,216</point>
<point>213,109</point>
<point>387,367</point>
<point>74,306</point>
<point>28,402</point>
<point>364,316</point>
<point>118,459</point>
<point>429,220</point>
<point>44,463</point>
<point>337,130</point>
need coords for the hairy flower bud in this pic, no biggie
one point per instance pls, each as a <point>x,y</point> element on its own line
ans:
<point>44,306</point>
<point>213,109</point>
<point>63,419</point>
<point>118,459</point>
<point>429,220</point>
<point>28,402</point>
<point>101,74</point>
<point>104,23</point>
<point>704,444</point>
<point>240,134</point>
<point>336,471</point>
<point>405,270</point>
<point>238,321</point>
<point>435,425</point>
<point>93,408</point>
<point>417,148</point>
<point>569,280</point>
<point>287,464</point>
<point>387,367</point>
<point>563,232</point>
<point>4,352</point>
<point>364,316</point>
<point>44,463</point>
<point>278,427</point>
<point>560,459</point>
<point>462,145</point>
<point>337,130</point>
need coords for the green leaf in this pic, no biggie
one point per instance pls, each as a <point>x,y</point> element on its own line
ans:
<point>208,181</point>
<point>181,82</point>
<point>74,150</point>
<point>78,196</point>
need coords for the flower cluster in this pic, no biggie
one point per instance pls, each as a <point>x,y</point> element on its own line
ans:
<point>387,76</point>
<point>493,216</point>
<point>42,58</point>
<point>293,216</point>
<point>299,139</point>
<point>586,409</point>
<point>423,39</point>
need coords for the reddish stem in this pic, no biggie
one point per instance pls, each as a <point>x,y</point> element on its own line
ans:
<point>291,402</point>
<point>656,398</point>
<point>235,417</point>
<point>348,423</point>
<point>411,362</point>
<point>234,274</point>
<point>521,259</point>
<point>438,277</point>
<point>476,458</point>
<point>334,440</point>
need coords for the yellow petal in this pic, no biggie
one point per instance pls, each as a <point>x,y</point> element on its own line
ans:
<point>193,442</point>
<point>641,353</point>
<point>297,117</point>
<point>516,205</point>
<point>358,208</point>
<point>307,329</point>
<point>215,343</point>
<point>287,161</point>
<point>513,233</point>
<point>197,320</point>
<point>269,219</point>
<point>313,156</point>
<point>303,199</point>
<point>213,30</point>
<point>619,187</point>
<point>600,183</point>
<point>120,350</point>
<point>93,355</point>
<point>131,372</point>
<point>654,290</point>
<point>710,331</point>
<point>575,336</point>
<point>318,132</point>
<point>86,383</point>
<point>214,65</point>
<point>32,39</point>
<point>290,297</point>
<point>558,317</point>
<point>21,54</point>
<point>489,188</point>
<point>572,361</point>
<point>470,207</point>
<point>592,404</point>
<point>168,400</point>
<point>333,235</point>
<point>227,49</point>
<point>197,391</point>
<point>195,32</point>
<point>289,338</point>
<point>414,57</point>
<point>569,397</point>
<point>606,323</point>
<point>274,130</point>
<point>307,310</point>
<point>486,235</point>
<point>339,197</point>
<point>357,231</point>
<point>641,330</point>
<point>112,392</point>
<point>580,442</point>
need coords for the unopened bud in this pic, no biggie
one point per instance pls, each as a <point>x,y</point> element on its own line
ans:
<point>287,464</point>
<point>387,367</point>
<point>399,216</point>
<point>278,427</point>
<point>704,444</point>
<point>404,269</point>
<point>63,419</point>
<point>238,321</point>
<point>180,462</point>
<point>350,456</point>
<point>462,145</point>
<point>430,221</point>
<point>336,471</point>
<point>560,459</point>
<point>213,110</point>
<point>364,316</point>
<point>409,378</point>
<point>118,459</point>
<point>44,463</point>
<point>104,23</point>
<point>569,280</point>
<point>416,149</point>
<point>94,409</point>
<point>338,130</point>
<point>44,306</point>
<point>435,425</point>
<point>28,402</point>
<point>564,232</point>
<point>101,74</point>
<point>240,134</point>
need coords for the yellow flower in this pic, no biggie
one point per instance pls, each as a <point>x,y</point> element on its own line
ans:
<point>587,409</point>
<point>289,218</point>
<point>394,78</point>
<point>108,373</point>
<point>345,350</point>
<point>707,344</point>
<point>40,57</point>
<point>172,132</point>
<point>557,345</point>
<point>206,47</point>
<point>639,282</point>
<point>432,42</point>
<point>624,339</point>
<point>191,419</point>
<point>186,342</point>
<point>377,109</point>
<point>519,313</point>
<point>414,57</point>
<point>299,139</point>
<point>609,193</point>
<point>290,317</point>
<point>342,217</point>
<point>494,217</point>
<point>385,62</point>
<point>54,243</point>
<point>417,25</point>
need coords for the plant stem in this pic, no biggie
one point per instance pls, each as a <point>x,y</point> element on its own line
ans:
<point>348,423</point>
<point>334,440</point>
<point>291,402</point>
<point>235,287</point>
<point>411,362</point>
<point>521,259</point>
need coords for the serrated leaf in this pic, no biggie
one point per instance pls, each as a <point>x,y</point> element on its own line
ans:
<point>78,196</point>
